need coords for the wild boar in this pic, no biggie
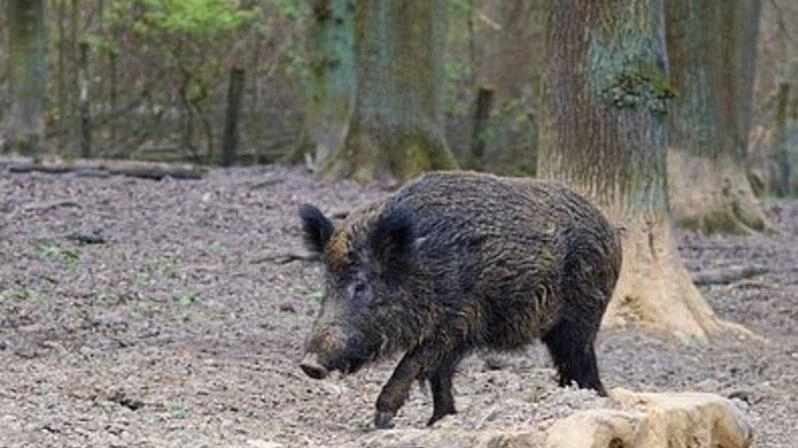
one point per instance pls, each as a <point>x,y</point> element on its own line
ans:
<point>453,262</point>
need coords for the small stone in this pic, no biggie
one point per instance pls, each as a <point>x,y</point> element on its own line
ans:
<point>109,320</point>
<point>334,389</point>
<point>742,395</point>
<point>287,308</point>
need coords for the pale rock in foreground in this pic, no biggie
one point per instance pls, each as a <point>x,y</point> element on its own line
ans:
<point>653,420</point>
<point>449,437</point>
<point>637,420</point>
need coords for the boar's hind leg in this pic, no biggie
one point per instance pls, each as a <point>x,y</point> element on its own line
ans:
<point>441,384</point>
<point>413,365</point>
<point>570,344</point>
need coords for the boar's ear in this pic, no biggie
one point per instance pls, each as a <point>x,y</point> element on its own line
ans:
<point>392,237</point>
<point>316,226</point>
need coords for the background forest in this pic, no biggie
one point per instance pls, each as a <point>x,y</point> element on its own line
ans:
<point>150,79</point>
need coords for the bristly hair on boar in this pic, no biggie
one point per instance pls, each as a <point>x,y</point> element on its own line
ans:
<point>457,261</point>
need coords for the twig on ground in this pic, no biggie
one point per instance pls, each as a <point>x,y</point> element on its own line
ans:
<point>86,237</point>
<point>286,258</point>
<point>265,183</point>
<point>727,275</point>
<point>50,204</point>
<point>103,168</point>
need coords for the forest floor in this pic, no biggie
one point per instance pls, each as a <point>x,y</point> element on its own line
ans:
<point>181,326</point>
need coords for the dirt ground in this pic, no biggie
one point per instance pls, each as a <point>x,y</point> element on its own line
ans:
<point>183,328</point>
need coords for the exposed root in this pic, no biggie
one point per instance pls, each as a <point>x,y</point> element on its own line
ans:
<point>713,196</point>
<point>655,291</point>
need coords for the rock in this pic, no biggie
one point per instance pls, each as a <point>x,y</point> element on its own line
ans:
<point>653,420</point>
<point>635,420</point>
<point>333,388</point>
<point>455,437</point>
<point>604,428</point>
<point>741,394</point>
<point>254,443</point>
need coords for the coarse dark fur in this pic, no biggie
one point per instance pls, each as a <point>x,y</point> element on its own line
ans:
<point>457,261</point>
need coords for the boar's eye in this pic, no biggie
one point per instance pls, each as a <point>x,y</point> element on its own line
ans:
<point>359,293</point>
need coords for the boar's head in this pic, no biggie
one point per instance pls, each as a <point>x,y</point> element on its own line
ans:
<point>368,260</point>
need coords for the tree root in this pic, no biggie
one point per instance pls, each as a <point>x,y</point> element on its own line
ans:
<point>713,197</point>
<point>654,289</point>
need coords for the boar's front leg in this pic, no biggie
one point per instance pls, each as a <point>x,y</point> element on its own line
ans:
<point>414,364</point>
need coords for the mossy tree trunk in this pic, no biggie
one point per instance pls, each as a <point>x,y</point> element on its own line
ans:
<point>781,156</point>
<point>396,129</point>
<point>332,80</point>
<point>27,63</point>
<point>712,53</point>
<point>605,99</point>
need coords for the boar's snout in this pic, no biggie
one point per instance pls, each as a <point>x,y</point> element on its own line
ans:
<point>312,367</point>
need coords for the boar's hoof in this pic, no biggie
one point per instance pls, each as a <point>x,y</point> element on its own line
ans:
<point>437,415</point>
<point>384,419</point>
<point>312,368</point>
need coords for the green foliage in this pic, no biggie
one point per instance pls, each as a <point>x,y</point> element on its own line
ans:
<point>50,252</point>
<point>185,299</point>
<point>178,411</point>
<point>168,265</point>
<point>20,293</point>
<point>316,296</point>
<point>290,9</point>
<point>99,42</point>
<point>101,297</point>
<point>71,259</point>
<point>44,251</point>
<point>192,18</point>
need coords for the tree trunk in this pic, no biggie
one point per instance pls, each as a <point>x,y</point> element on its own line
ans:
<point>74,23</point>
<point>327,111</point>
<point>479,127</point>
<point>84,103</point>
<point>27,62</point>
<point>396,129</point>
<point>235,94</point>
<point>63,124</point>
<point>516,54</point>
<point>113,58</point>
<point>605,99</point>
<point>781,178</point>
<point>712,52</point>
